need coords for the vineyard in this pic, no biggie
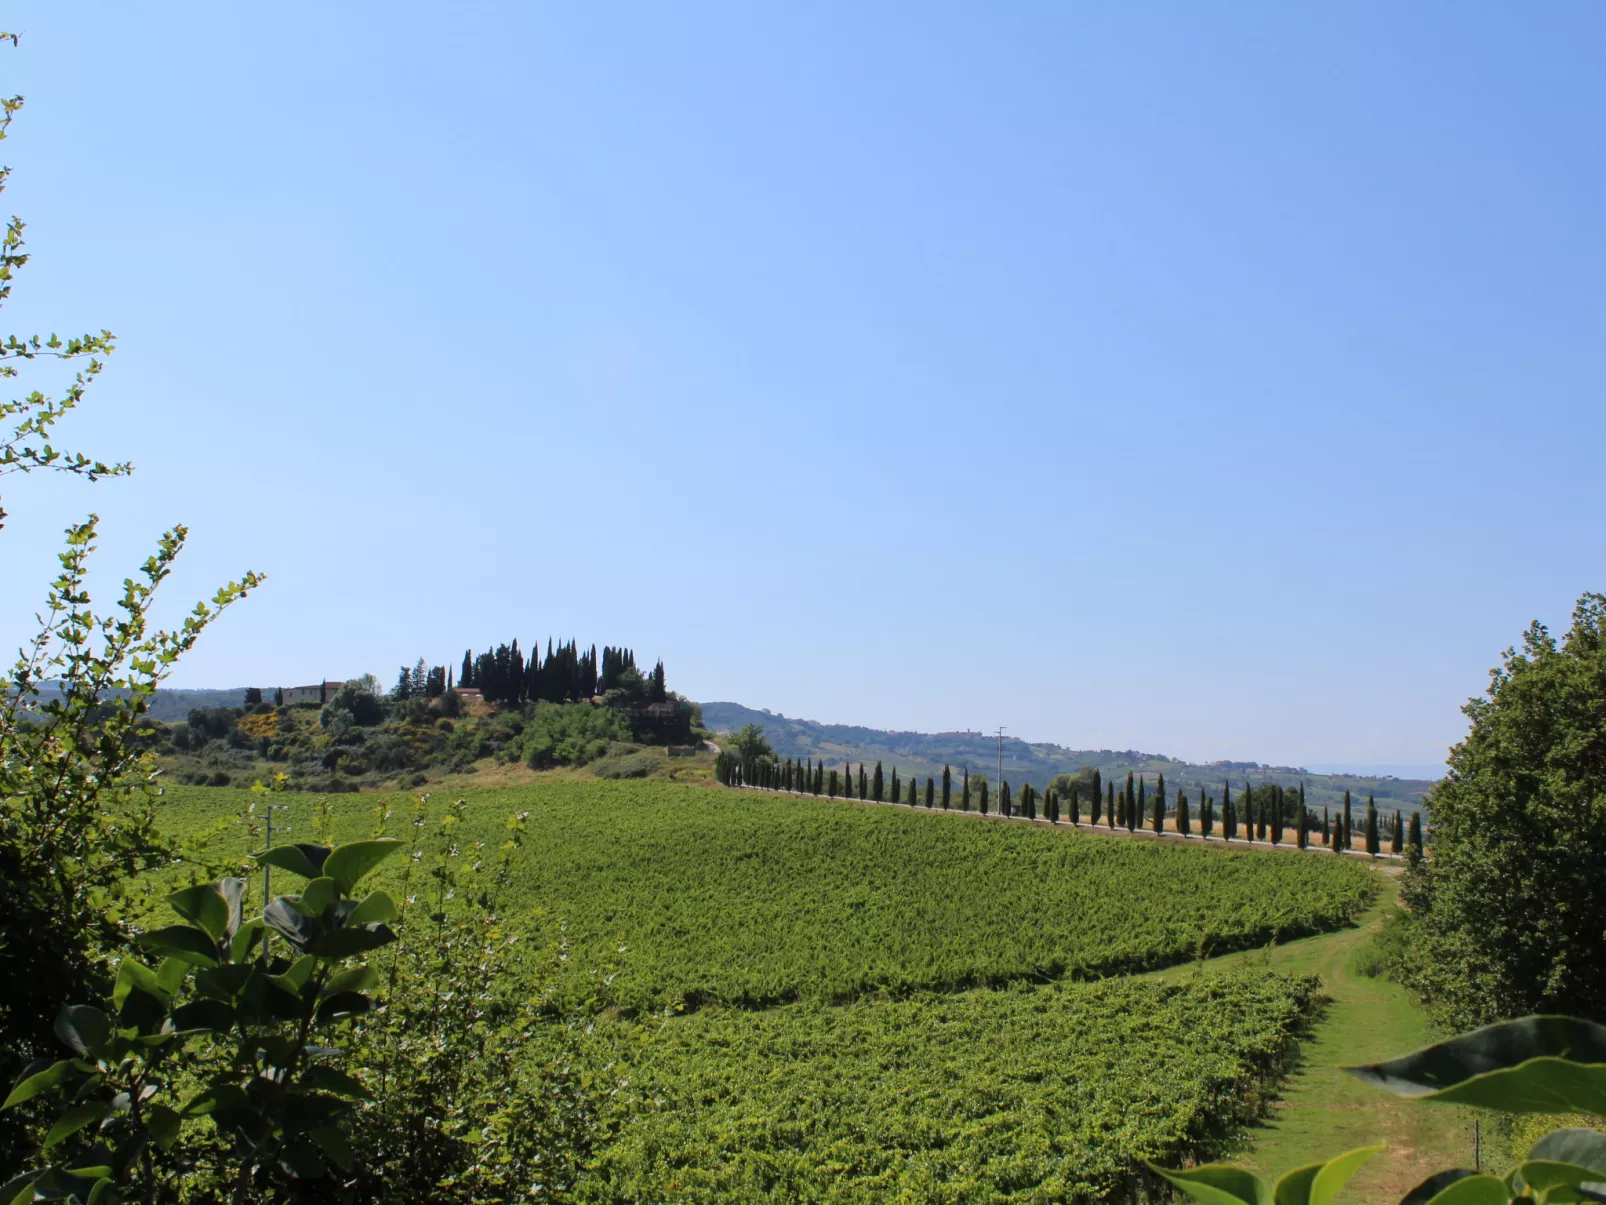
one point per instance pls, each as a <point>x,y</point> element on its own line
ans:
<point>754,900</point>
<point>1045,1094</point>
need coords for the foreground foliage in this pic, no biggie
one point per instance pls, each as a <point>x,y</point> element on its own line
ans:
<point>1511,907</point>
<point>1538,1064</point>
<point>1053,1093</point>
<point>754,900</point>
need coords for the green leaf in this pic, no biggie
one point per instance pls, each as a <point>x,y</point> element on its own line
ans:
<point>304,860</point>
<point>376,908</point>
<point>1217,1184</point>
<point>163,1124</point>
<point>19,1189</point>
<point>209,1016</point>
<point>83,1027</point>
<point>301,1159</point>
<point>184,942</point>
<point>1542,1064</point>
<point>1586,1148</point>
<point>1541,1175</point>
<point>333,1144</point>
<point>245,937</point>
<point>1463,1189</point>
<point>30,1086</point>
<point>343,943</point>
<point>319,896</point>
<point>132,973</point>
<point>327,1079</point>
<point>294,925</point>
<point>233,892</point>
<point>74,1119</point>
<point>1337,1172</point>
<point>356,979</point>
<point>217,1097</point>
<point>1293,1188</point>
<point>203,905</point>
<point>170,975</point>
<point>104,1193</point>
<point>300,971</point>
<point>346,1004</point>
<point>349,864</point>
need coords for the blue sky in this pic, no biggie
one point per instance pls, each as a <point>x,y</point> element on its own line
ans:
<point>1217,380</point>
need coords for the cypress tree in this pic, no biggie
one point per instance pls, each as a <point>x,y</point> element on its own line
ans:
<point>1276,814</point>
<point>947,787</point>
<point>1249,813</point>
<point>1301,819</point>
<point>1183,825</point>
<point>1349,824</point>
<point>1397,838</point>
<point>893,793</point>
<point>1095,807</point>
<point>964,792</point>
<point>864,785</point>
<point>1229,818</point>
<point>913,798</point>
<point>1326,822</point>
<point>1159,807</point>
<point>877,783</point>
<point>1109,805</point>
<point>1098,793</point>
<point>931,792</point>
<point>1338,834</point>
<point>1132,801</point>
<point>984,795</point>
<point>1373,845</point>
<point>1004,801</point>
<point>1207,815</point>
<point>1413,844</point>
<point>1076,804</point>
<point>830,786</point>
<point>1120,810</point>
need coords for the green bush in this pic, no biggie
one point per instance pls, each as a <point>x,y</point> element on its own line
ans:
<point>632,765</point>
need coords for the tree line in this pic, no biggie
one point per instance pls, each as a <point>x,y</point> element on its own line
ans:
<point>567,674</point>
<point>1264,814</point>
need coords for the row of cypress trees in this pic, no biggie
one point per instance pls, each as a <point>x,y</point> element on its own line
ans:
<point>1261,812</point>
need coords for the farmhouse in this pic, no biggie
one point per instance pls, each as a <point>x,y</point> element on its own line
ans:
<point>309,694</point>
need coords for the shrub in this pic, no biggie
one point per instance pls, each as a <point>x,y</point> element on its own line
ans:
<point>633,765</point>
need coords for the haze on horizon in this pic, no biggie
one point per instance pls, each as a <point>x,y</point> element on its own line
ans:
<point>1218,382</point>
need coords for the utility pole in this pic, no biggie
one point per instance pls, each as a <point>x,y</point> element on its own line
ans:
<point>999,785</point>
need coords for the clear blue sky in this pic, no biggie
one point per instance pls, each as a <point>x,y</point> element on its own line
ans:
<point>1223,380</point>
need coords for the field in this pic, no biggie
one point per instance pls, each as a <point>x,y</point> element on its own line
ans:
<point>809,1001</point>
<point>753,900</point>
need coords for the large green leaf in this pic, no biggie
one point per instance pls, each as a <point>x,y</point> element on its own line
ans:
<point>1586,1148</point>
<point>74,1119</point>
<point>346,1004</point>
<point>83,1027</point>
<point>210,1016</point>
<point>1293,1188</point>
<point>184,942</point>
<point>319,896</point>
<point>342,943</point>
<point>18,1190</point>
<point>290,922</point>
<point>333,1144</point>
<point>1217,1184</point>
<point>205,906</point>
<point>351,862</point>
<point>1336,1173</point>
<point>53,1076</point>
<point>1469,1189</point>
<point>376,908</point>
<point>356,979</point>
<point>1541,1175</point>
<point>1543,1064</point>
<point>245,937</point>
<point>327,1079</point>
<point>132,973</point>
<point>304,860</point>
<point>163,1125</point>
<point>233,892</point>
<point>217,1097</point>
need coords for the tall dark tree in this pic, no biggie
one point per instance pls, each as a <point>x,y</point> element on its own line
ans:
<point>1109,805</point>
<point>1302,822</point>
<point>894,793</point>
<point>931,791</point>
<point>1159,807</point>
<point>1005,804</point>
<point>912,798</point>
<point>1349,824</point>
<point>1229,817</point>
<point>465,676</point>
<point>1373,843</point>
<point>1133,803</point>
<point>1413,844</point>
<point>877,783</point>
<point>1183,821</point>
<point>404,685</point>
<point>1326,825</point>
<point>1095,806</point>
<point>1076,804</point>
<point>863,785</point>
<point>1397,836</point>
<point>964,792</point>
<point>947,787</point>
<point>1207,815</point>
<point>983,805</point>
<point>830,785</point>
<point>1277,804</point>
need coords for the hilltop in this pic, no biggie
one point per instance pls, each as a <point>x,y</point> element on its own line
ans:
<point>1039,763</point>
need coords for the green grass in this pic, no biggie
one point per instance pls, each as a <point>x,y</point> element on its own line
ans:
<point>1322,1111</point>
<point>752,900</point>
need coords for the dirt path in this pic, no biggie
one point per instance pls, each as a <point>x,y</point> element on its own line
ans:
<point>1323,1112</point>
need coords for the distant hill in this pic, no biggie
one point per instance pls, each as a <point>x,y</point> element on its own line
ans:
<point>927,752</point>
<point>174,706</point>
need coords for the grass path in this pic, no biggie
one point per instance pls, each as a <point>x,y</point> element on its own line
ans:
<point>1323,1112</point>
